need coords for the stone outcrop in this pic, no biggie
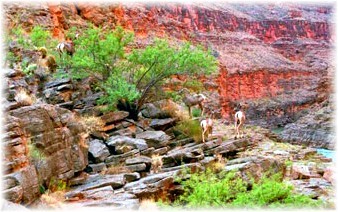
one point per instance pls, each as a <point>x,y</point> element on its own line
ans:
<point>314,129</point>
<point>42,142</point>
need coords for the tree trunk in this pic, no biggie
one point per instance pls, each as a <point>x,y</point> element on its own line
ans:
<point>130,107</point>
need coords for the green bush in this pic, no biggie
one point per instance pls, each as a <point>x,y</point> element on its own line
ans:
<point>196,112</point>
<point>190,128</point>
<point>194,85</point>
<point>40,37</point>
<point>228,190</point>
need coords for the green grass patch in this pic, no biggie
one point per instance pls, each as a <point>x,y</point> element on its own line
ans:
<point>190,128</point>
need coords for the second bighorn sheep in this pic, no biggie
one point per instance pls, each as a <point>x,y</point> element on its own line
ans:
<point>193,100</point>
<point>239,121</point>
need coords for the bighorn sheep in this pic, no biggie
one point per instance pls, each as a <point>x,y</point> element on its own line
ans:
<point>206,125</point>
<point>67,47</point>
<point>47,61</point>
<point>239,121</point>
<point>192,100</point>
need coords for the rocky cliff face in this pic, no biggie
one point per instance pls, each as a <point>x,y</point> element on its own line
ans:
<point>42,142</point>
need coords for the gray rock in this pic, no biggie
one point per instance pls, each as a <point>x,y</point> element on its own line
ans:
<point>57,82</point>
<point>124,140</point>
<point>178,156</point>
<point>162,124</point>
<point>154,138</point>
<point>152,184</point>
<point>130,177</point>
<point>98,150</point>
<point>150,111</point>
<point>97,167</point>
<point>140,167</point>
<point>137,160</point>
<point>99,181</point>
<point>118,159</point>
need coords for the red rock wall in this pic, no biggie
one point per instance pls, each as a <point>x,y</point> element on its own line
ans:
<point>260,84</point>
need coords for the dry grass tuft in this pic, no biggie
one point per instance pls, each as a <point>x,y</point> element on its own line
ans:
<point>53,200</point>
<point>148,205</point>
<point>23,98</point>
<point>92,123</point>
<point>156,163</point>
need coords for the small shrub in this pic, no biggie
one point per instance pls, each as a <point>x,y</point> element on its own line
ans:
<point>57,185</point>
<point>196,112</point>
<point>174,111</point>
<point>190,128</point>
<point>208,190</point>
<point>34,153</point>
<point>173,96</point>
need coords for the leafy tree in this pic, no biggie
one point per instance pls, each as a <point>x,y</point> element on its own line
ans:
<point>127,77</point>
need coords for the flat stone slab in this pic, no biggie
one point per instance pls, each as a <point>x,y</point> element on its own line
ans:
<point>141,167</point>
<point>155,139</point>
<point>139,159</point>
<point>98,181</point>
<point>112,117</point>
<point>117,159</point>
<point>119,140</point>
<point>162,124</point>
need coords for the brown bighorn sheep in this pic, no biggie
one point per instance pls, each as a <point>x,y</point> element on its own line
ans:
<point>192,100</point>
<point>47,61</point>
<point>206,125</point>
<point>239,121</point>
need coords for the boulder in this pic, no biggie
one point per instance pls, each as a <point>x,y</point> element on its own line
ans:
<point>189,154</point>
<point>151,111</point>
<point>302,171</point>
<point>116,141</point>
<point>153,184</point>
<point>329,174</point>
<point>162,124</point>
<point>140,167</point>
<point>154,138</point>
<point>98,151</point>
<point>96,167</point>
<point>255,166</point>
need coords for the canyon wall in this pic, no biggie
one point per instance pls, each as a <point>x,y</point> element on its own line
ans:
<point>271,56</point>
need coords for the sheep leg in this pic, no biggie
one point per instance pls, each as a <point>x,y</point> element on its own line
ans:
<point>240,124</point>
<point>236,128</point>
<point>202,109</point>
<point>203,135</point>
<point>190,112</point>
